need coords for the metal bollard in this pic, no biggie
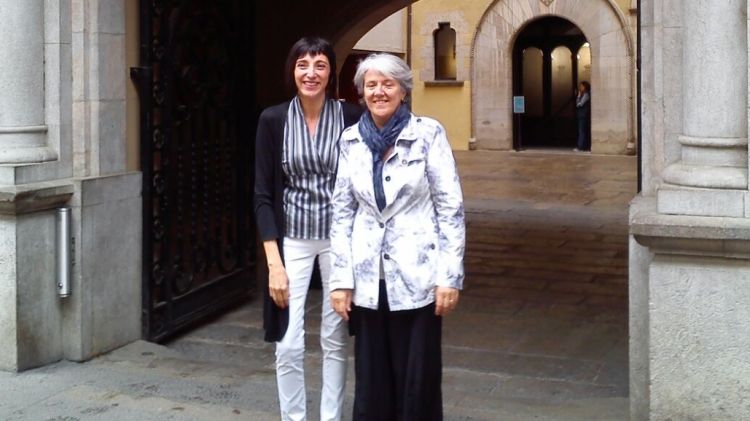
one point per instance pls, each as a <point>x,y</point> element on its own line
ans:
<point>64,252</point>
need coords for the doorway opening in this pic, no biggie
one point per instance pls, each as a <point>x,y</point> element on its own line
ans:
<point>551,56</point>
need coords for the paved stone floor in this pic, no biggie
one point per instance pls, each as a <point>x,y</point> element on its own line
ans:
<point>540,334</point>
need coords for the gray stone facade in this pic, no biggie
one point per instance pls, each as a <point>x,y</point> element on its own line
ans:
<point>62,143</point>
<point>690,232</point>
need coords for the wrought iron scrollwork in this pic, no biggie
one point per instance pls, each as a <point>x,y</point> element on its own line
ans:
<point>199,245</point>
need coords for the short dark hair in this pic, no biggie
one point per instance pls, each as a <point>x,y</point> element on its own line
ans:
<point>312,46</point>
<point>587,85</point>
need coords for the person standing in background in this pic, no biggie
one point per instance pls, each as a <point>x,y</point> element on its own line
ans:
<point>583,116</point>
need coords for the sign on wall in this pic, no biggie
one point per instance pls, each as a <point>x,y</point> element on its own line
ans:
<point>519,105</point>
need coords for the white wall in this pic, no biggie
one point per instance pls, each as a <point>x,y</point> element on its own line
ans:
<point>387,36</point>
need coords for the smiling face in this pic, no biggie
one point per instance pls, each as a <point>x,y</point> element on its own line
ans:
<point>311,75</point>
<point>383,95</point>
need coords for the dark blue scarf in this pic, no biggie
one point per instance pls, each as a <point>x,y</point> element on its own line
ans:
<point>379,141</point>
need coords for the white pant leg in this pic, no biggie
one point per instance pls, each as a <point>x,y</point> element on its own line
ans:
<point>299,256</point>
<point>333,341</point>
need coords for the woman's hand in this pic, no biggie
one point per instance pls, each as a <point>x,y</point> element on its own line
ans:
<point>341,301</point>
<point>278,285</point>
<point>278,282</point>
<point>446,300</point>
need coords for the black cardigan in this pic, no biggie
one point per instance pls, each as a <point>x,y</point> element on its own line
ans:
<point>269,190</point>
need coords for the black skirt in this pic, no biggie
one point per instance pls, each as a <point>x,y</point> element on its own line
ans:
<point>398,363</point>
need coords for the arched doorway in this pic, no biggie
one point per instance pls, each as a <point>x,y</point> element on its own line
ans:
<point>549,60</point>
<point>612,55</point>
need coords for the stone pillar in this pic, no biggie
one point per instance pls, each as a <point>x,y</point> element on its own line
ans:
<point>23,133</point>
<point>714,111</point>
<point>690,244</point>
<point>689,316</point>
<point>62,84</point>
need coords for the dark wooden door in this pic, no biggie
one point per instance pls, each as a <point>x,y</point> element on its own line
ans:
<point>196,87</point>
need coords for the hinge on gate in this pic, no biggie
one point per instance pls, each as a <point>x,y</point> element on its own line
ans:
<point>142,78</point>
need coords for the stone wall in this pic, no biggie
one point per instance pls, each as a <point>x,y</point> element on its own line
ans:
<point>690,232</point>
<point>447,101</point>
<point>699,325</point>
<point>62,143</point>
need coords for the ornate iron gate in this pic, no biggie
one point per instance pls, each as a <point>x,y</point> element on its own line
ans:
<point>196,87</point>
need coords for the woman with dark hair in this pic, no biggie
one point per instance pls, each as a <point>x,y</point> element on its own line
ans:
<point>583,116</point>
<point>296,157</point>
<point>398,239</point>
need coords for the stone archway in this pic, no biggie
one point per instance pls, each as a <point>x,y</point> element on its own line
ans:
<point>348,34</point>
<point>280,23</point>
<point>612,55</point>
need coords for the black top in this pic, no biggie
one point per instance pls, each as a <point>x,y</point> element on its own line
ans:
<point>268,199</point>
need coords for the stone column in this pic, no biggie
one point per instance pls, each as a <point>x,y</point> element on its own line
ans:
<point>23,133</point>
<point>689,296</point>
<point>714,139</point>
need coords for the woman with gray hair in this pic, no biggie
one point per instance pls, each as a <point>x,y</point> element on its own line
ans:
<point>397,244</point>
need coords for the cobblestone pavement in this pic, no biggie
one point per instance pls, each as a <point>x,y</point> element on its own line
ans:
<point>540,333</point>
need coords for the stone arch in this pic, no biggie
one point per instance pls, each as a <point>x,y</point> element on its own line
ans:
<point>363,20</point>
<point>612,55</point>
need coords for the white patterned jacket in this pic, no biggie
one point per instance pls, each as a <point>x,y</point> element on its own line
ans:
<point>420,234</point>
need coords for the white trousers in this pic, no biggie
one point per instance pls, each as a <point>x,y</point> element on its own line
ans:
<point>299,257</point>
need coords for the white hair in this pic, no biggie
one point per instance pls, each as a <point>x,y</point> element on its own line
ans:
<point>389,66</point>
